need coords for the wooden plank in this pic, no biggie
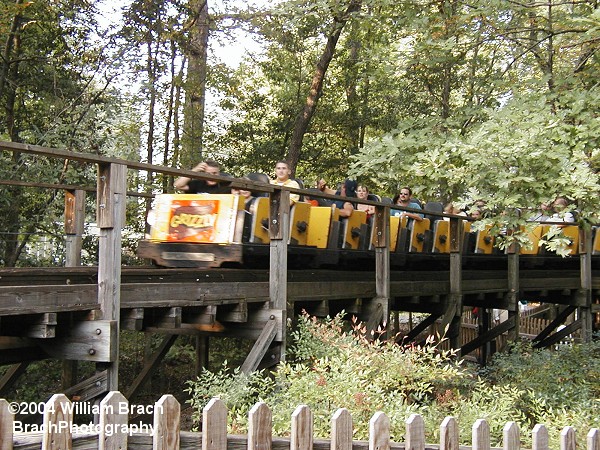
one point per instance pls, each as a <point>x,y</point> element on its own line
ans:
<point>140,295</point>
<point>510,436</point>
<point>7,418</point>
<point>481,435</point>
<point>214,425</point>
<point>341,430</point>
<point>593,439</point>
<point>89,388</point>
<point>167,414</point>
<point>132,319</point>
<point>260,427</point>
<point>58,416</point>
<point>167,317</point>
<point>302,429</point>
<point>487,336</point>
<point>585,255</point>
<point>234,313</point>
<point>260,347</point>
<point>568,439</point>
<point>415,432</point>
<point>11,375</point>
<point>110,216</point>
<point>559,335</point>
<point>379,432</point>
<point>279,225</point>
<point>421,326</point>
<point>560,318</point>
<point>540,440</point>
<point>449,434</point>
<point>93,340</point>
<point>19,300</point>
<point>113,422</point>
<point>74,225</point>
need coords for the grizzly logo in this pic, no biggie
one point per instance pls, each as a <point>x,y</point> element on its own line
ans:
<point>193,220</point>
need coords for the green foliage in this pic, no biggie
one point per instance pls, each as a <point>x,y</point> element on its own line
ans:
<point>559,388</point>
<point>331,366</point>
<point>237,390</point>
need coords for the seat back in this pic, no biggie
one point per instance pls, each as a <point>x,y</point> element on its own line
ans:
<point>320,221</point>
<point>354,229</point>
<point>435,207</point>
<point>596,241</point>
<point>534,236</point>
<point>301,185</point>
<point>299,223</point>
<point>441,236</point>
<point>259,225</point>
<point>571,232</point>
<point>418,235</point>
<point>484,241</point>
<point>260,178</point>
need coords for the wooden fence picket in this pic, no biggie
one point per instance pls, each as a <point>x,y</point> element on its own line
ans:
<point>449,436</point>
<point>593,439</point>
<point>214,425</point>
<point>167,413</point>
<point>113,430</point>
<point>58,417</point>
<point>379,432</point>
<point>540,438</point>
<point>567,439</point>
<point>511,436</point>
<point>481,435</point>
<point>260,427</point>
<point>7,419</point>
<point>302,429</point>
<point>341,430</point>
<point>415,432</point>
<point>113,416</point>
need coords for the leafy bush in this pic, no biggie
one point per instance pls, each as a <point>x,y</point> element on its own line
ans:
<point>331,366</point>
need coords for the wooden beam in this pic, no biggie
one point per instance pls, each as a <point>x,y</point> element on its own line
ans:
<point>20,300</point>
<point>260,347</point>
<point>132,319</point>
<point>560,318</point>
<point>89,388</point>
<point>110,217</point>
<point>74,223</point>
<point>151,365</point>
<point>453,316</point>
<point>585,255</point>
<point>279,232</point>
<point>382,269</point>
<point>92,340</point>
<point>11,375</point>
<point>559,335</point>
<point>421,326</point>
<point>487,336</point>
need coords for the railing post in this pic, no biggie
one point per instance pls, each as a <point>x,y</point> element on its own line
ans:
<point>454,313</point>
<point>382,263</point>
<point>279,232</point>
<point>74,221</point>
<point>110,216</point>
<point>585,255</point>
<point>513,291</point>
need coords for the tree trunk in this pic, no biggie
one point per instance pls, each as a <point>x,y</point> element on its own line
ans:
<point>316,87</point>
<point>195,84</point>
